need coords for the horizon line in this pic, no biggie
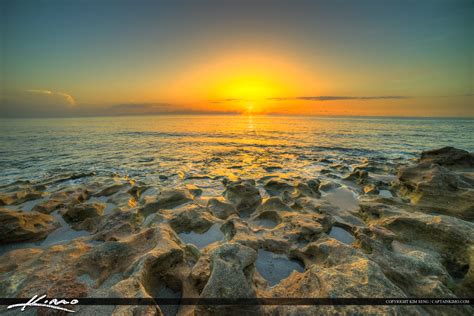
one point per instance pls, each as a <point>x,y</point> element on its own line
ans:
<point>235,114</point>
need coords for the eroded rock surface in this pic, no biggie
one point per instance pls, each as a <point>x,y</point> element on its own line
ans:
<point>21,226</point>
<point>339,229</point>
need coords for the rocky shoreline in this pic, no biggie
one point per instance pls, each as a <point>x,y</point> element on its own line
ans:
<point>372,228</point>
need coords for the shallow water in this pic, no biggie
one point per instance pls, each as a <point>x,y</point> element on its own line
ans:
<point>213,234</point>
<point>342,198</point>
<point>342,235</point>
<point>159,149</point>
<point>275,267</point>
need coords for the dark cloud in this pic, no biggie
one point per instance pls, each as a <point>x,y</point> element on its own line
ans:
<point>140,108</point>
<point>36,103</point>
<point>43,103</point>
<point>157,108</point>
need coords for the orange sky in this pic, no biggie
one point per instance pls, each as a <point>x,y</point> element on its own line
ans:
<point>308,58</point>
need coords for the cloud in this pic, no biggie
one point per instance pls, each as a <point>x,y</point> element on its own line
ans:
<point>338,97</point>
<point>141,107</point>
<point>157,108</point>
<point>69,98</point>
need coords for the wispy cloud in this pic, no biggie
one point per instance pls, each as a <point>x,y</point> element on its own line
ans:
<point>69,98</point>
<point>157,108</point>
<point>140,107</point>
<point>340,97</point>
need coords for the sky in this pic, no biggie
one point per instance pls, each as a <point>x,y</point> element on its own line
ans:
<point>104,57</point>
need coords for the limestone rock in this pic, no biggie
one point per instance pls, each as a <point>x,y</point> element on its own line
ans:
<point>437,190</point>
<point>221,209</point>
<point>277,187</point>
<point>20,226</point>
<point>244,195</point>
<point>231,277</point>
<point>191,218</point>
<point>82,211</point>
<point>167,199</point>
<point>449,157</point>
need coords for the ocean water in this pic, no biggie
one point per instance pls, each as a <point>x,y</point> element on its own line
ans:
<point>154,149</point>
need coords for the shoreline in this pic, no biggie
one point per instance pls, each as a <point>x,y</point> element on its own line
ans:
<point>373,228</point>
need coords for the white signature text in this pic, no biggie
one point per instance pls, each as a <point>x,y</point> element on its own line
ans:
<point>40,301</point>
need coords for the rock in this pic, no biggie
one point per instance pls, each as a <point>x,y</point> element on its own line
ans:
<point>6,199</point>
<point>48,206</point>
<point>339,270</point>
<point>371,189</point>
<point>167,199</point>
<point>231,277</point>
<point>237,230</point>
<point>220,209</point>
<point>311,189</point>
<point>358,176</point>
<point>118,225</point>
<point>437,189</point>
<point>82,211</point>
<point>274,204</point>
<point>448,239</point>
<point>328,185</point>
<point>48,271</point>
<point>244,195</point>
<point>63,199</point>
<point>28,195</point>
<point>191,218</point>
<point>277,187</point>
<point>20,226</point>
<point>449,157</point>
<point>112,189</point>
<point>194,190</point>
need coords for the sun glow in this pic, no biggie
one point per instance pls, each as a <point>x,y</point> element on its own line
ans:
<point>243,83</point>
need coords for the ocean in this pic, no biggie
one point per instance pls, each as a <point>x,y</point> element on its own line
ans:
<point>153,148</point>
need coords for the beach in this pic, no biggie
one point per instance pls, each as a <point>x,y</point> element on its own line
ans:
<point>238,207</point>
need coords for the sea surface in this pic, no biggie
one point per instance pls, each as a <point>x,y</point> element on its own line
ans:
<point>171,148</point>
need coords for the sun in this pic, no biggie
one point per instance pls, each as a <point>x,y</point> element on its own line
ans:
<point>241,82</point>
<point>248,88</point>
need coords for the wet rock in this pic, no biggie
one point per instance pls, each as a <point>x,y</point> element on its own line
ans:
<point>371,189</point>
<point>358,176</point>
<point>19,226</point>
<point>231,277</point>
<point>49,206</point>
<point>244,195</point>
<point>277,187</point>
<point>6,199</point>
<point>167,199</point>
<point>191,218</point>
<point>221,209</point>
<point>448,239</point>
<point>47,270</point>
<point>298,227</point>
<point>194,190</point>
<point>63,199</point>
<point>24,196</point>
<point>328,185</point>
<point>118,226</point>
<point>112,189</point>
<point>449,157</point>
<point>311,189</point>
<point>273,204</point>
<point>338,270</point>
<point>82,211</point>
<point>238,231</point>
<point>437,189</point>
